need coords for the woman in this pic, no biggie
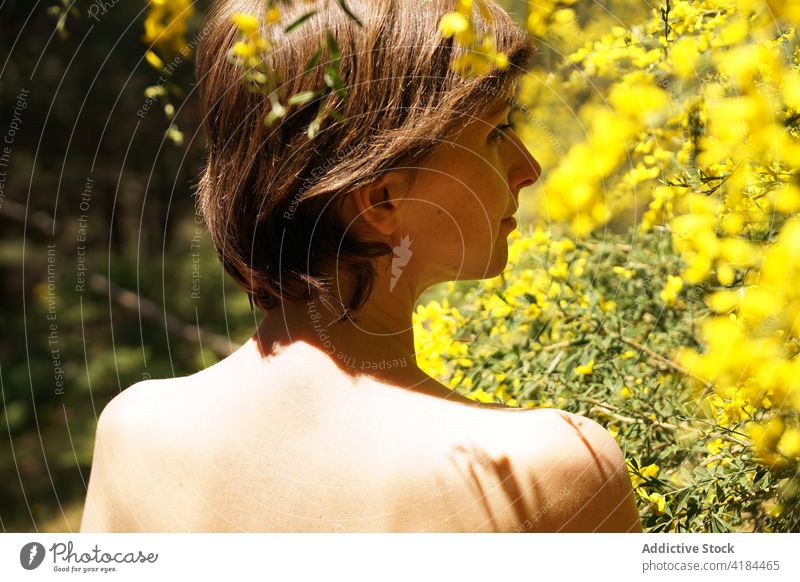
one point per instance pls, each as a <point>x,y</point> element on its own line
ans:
<point>322,421</point>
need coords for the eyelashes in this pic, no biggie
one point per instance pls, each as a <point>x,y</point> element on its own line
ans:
<point>499,132</point>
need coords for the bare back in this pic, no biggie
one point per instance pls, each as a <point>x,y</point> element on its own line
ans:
<point>282,447</point>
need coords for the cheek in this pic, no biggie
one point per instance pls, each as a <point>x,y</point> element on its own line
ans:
<point>458,200</point>
<point>455,217</point>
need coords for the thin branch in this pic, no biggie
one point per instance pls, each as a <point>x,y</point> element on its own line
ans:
<point>605,409</point>
<point>38,220</point>
<point>43,223</point>
<point>658,357</point>
<point>557,346</point>
<point>152,311</point>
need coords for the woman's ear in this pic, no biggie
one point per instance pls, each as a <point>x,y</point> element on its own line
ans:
<point>377,205</point>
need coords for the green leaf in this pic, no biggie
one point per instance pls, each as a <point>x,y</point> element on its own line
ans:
<point>313,62</point>
<point>346,9</point>
<point>713,526</point>
<point>333,46</point>
<point>333,81</point>
<point>174,134</point>
<point>721,525</point>
<point>154,91</point>
<point>302,97</point>
<point>683,499</point>
<point>277,111</point>
<point>313,128</point>
<point>299,21</point>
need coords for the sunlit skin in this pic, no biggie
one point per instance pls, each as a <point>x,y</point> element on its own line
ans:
<point>290,433</point>
<point>456,211</point>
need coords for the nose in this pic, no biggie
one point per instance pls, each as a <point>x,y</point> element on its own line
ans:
<point>525,170</point>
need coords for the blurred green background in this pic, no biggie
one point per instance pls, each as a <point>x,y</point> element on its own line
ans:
<point>92,192</point>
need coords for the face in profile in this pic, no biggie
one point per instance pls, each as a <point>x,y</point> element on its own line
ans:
<point>458,209</point>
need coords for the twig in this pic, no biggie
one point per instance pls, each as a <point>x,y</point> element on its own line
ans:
<point>150,310</point>
<point>43,223</point>
<point>627,419</point>
<point>658,357</point>
<point>711,459</point>
<point>556,346</point>
<point>39,220</point>
<point>606,410</point>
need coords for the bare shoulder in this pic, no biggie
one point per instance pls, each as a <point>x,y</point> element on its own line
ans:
<point>136,450</point>
<point>588,489</point>
<point>513,470</point>
<point>137,410</point>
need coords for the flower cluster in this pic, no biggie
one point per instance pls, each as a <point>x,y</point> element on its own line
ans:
<point>481,54</point>
<point>252,42</point>
<point>166,24</point>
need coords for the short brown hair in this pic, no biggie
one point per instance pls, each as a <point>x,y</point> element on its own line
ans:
<point>269,194</point>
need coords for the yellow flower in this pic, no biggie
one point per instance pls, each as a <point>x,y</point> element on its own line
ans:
<point>455,24</point>
<point>564,16</point>
<point>585,369</point>
<point>789,445</point>
<point>500,61</point>
<point>637,99</point>
<point>715,446</point>
<point>246,23</point>
<point>559,270</point>
<point>658,500</point>
<point>650,470</point>
<point>481,396</point>
<point>465,7</point>
<point>625,392</point>
<point>166,23</point>
<point>673,286</point>
<point>471,63</point>
<point>273,15</point>
<point>626,273</point>
<point>153,59</point>
<point>684,54</point>
<point>245,49</point>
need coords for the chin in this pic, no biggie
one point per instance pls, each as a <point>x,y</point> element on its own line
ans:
<point>493,268</point>
<point>499,260</point>
<point>497,269</point>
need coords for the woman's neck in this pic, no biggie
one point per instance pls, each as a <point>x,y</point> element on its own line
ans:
<point>378,339</point>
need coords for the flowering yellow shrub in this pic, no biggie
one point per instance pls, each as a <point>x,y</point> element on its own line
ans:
<point>689,125</point>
